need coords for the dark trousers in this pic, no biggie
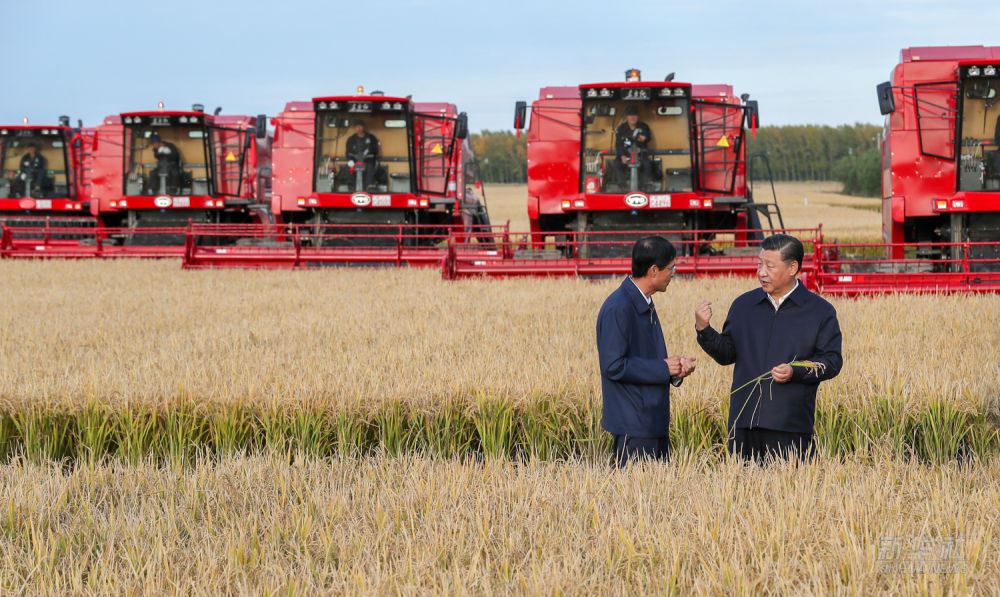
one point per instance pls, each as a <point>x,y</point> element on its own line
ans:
<point>761,445</point>
<point>629,449</point>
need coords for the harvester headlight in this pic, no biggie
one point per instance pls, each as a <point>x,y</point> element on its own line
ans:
<point>193,120</point>
<point>220,203</point>
<point>313,201</point>
<point>693,202</point>
<point>183,119</point>
<point>424,203</point>
<point>114,204</point>
<point>707,203</point>
<point>591,93</point>
<point>665,92</point>
<point>958,204</point>
<point>301,201</point>
<point>566,204</point>
<point>678,91</point>
<point>322,105</point>
<point>942,205</point>
<point>973,71</point>
<point>123,204</point>
<point>990,71</point>
<point>578,203</point>
<point>208,203</point>
<point>605,93</point>
<point>128,120</point>
<point>411,202</point>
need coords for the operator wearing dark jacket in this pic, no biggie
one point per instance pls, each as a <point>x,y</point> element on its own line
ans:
<point>168,163</point>
<point>766,329</point>
<point>635,371</point>
<point>32,167</point>
<point>363,148</point>
<point>633,135</point>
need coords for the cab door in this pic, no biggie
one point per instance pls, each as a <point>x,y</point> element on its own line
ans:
<point>229,149</point>
<point>936,110</point>
<point>434,141</point>
<point>718,143</point>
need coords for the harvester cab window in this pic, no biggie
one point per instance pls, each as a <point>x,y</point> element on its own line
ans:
<point>618,156</point>
<point>979,157</point>
<point>34,164</point>
<point>171,159</point>
<point>362,146</point>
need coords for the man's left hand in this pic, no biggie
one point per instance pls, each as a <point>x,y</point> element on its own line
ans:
<point>781,373</point>
<point>642,138</point>
<point>687,366</point>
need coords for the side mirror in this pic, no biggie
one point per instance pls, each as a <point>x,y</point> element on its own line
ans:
<point>753,114</point>
<point>462,126</point>
<point>248,142</point>
<point>886,103</point>
<point>261,126</point>
<point>520,115</point>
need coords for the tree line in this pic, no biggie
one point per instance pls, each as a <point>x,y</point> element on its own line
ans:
<point>846,153</point>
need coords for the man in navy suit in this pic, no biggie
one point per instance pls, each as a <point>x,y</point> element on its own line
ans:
<point>765,330</point>
<point>636,372</point>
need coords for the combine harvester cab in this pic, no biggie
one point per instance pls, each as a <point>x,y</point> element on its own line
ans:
<point>398,207</point>
<point>594,187</point>
<point>209,172</point>
<point>940,180</point>
<point>44,198</point>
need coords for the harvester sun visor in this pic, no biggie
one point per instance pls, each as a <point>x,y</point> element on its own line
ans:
<point>360,106</point>
<point>633,93</point>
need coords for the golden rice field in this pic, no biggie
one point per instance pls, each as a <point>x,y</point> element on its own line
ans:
<point>383,431</point>
<point>134,333</point>
<point>420,526</point>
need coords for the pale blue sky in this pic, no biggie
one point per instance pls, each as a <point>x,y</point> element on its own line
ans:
<point>806,62</point>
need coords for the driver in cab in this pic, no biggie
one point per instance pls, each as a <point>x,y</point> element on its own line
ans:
<point>632,142</point>
<point>168,162</point>
<point>363,148</point>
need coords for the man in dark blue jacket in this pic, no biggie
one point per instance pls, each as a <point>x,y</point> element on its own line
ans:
<point>636,372</point>
<point>767,329</point>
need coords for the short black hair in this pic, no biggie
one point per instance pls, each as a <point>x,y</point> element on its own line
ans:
<point>790,247</point>
<point>632,109</point>
<point>649,251</point>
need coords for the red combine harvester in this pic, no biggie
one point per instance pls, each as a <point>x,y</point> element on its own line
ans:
<point>606,160</point>
<point>154,172</point>
<point>42,181</point>
<point>363,179</point>
<point>940,180</point>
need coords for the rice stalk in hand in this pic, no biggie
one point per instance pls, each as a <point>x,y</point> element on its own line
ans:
<point>813,368</point>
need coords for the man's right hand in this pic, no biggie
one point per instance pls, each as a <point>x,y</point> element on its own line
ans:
<point>624,159</point>
<point>674,365</point>
<point>703,315</point>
